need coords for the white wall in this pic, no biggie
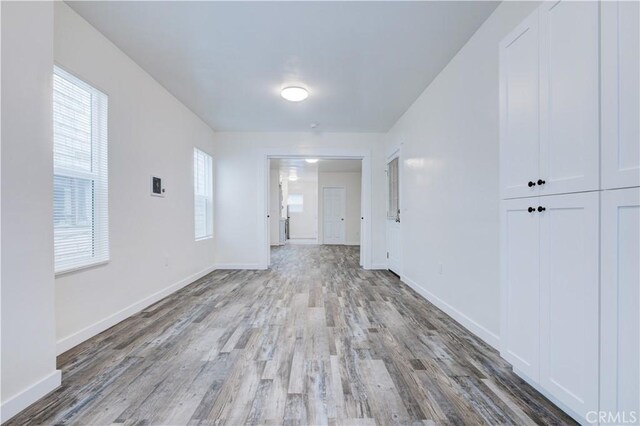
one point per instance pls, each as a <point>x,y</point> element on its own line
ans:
<point>351,181</point>
<point>240,225</point>
<point>153,251</point>
<point>304,224</point>
<point>450,193</point>
<point>28,334</point>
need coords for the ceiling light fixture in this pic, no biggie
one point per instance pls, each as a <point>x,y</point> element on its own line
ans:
<point>311,160</point>
<point>294,93</point>
<point>293,178</point>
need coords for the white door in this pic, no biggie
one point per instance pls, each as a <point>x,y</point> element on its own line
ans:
<point>620,94</point>
<point>333,209</point>
<point>394,250</point>
<point>569,97</point>
<point>620,302</point>
<point>569,299</point>
<point>520,244</point>
<point>519,110</point>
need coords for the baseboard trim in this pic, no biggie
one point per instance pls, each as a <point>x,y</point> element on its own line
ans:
<point>480,331</point>
<point>88,332</point>
<point>36,391</point>
<point>226,266</point>
<point>378,266</point>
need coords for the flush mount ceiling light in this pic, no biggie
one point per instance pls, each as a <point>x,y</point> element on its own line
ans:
<point>294,93</point>
<point>293,178</point>
<point>311,160</point>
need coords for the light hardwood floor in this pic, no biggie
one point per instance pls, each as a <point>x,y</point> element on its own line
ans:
<point>314,340</point>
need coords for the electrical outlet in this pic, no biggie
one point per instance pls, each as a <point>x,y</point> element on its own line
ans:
<point>440,268</point>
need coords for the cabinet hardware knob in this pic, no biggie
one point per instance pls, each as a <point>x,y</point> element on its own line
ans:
<point>531,210</point>
<point>541,209</point>
<point>541,182</point>
<point>531,183</point>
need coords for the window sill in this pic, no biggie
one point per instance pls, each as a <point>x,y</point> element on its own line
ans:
<point>81,268</point>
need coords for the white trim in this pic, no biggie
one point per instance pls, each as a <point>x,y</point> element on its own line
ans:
<point>229,266</point>
<point>22,400</point>
<point>86,333</point>
<point>480,331</point>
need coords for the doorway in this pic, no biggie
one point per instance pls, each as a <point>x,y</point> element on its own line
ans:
<point>393,228</point>
<point>320,201</point>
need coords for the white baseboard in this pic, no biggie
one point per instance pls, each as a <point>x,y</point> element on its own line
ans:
<point>225,266</point>
<point>488,336</point>
<point>22,400</point>
<point>78,337</point>
<point>378,266</point>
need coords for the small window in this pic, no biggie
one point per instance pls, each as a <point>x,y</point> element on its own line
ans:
<point>393,211</point>
<point>80,181</point>
<point>295,203</point>
<point>203,194</point>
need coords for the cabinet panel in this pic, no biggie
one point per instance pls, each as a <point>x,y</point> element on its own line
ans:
<point>620,94</point>
<point>569,97</point>
<point>519,109</point>
<point>569,299</point>
<point>620,302</point>
<point>520,285</point>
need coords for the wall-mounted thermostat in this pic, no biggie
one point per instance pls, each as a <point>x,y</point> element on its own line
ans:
<point>157,190</point>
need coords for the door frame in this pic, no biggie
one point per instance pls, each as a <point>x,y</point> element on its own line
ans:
<point>394,153</point>
<point>344,207</point>
<point>366,247</point>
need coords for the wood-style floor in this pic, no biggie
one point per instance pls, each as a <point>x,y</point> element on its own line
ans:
<point>315,340</point>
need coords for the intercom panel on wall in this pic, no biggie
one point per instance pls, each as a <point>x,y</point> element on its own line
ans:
<point>157,188</point>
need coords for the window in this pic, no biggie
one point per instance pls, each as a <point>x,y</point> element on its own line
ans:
<point>393,211</point>
<point>80,181</point>
<point>296,203</point>
<point>203,194</point>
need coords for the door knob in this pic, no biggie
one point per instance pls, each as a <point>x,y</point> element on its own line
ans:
<point>541,182</point>
<point>531,183</point>
<point>342,218</point>
<point>531,210</point>
<point>541,209</point>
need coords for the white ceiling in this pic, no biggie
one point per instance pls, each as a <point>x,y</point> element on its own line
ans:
<point>364,63</point>
<point>304,170</point>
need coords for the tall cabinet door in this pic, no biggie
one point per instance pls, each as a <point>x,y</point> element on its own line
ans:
<point>620,94</point>
<point>620,302</point>
<point>569,97</point>
<point>520,269</point>
<point>569,258</point>
<point>519,109</point>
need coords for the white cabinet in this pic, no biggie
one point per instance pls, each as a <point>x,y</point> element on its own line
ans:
<point>620,87</point>
<point>569,97</point>
<point>569,299</point>
<point>519,109</point>
<point>520,329</point>
<point>549,329</point>
<point>620,302</point>
<point>549,102</point>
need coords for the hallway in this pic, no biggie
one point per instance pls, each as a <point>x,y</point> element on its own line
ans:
<point>315,340</point>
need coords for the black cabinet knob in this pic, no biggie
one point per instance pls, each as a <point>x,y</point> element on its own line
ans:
<point>541,209</point>
<point>531,183</point>
<point>531,210</point>
<point>541,182</point>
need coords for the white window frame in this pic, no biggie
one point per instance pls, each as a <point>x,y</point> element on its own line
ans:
<point>206,195</point>
<point>98,175</point>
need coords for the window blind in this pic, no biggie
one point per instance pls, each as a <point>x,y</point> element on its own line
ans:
<point>203,194</point>
<point>80,182</point>
<point>394,192</point>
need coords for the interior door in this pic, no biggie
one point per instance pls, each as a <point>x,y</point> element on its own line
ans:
<point>519,109</point>
<point>569,97</point>
<point>620,87</point>
<point>333,209</point>
<point>569,299</point>
<point>620,302</point>
<point>394,250</point>
<point>520,246</point>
